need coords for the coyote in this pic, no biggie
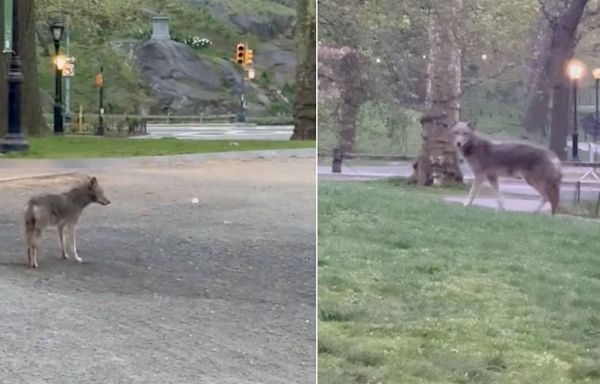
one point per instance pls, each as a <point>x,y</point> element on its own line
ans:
<point>60,210</point>
<point>540,167</point>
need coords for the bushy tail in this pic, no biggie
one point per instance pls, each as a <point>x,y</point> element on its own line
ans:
<point>31,217</point>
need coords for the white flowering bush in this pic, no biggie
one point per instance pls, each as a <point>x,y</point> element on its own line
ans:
<point>196,42</point>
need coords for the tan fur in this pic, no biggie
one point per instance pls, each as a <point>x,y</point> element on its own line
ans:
<point>62,211</point>
<point>488,160</point>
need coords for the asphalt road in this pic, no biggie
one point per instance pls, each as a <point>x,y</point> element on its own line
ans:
<point>220,131</point>
<point>222,291</point>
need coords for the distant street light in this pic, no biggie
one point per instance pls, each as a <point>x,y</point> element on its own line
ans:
<point>57,31</point>
<point>14,139</point>
<point>575,72</point>
<point>596,76</point>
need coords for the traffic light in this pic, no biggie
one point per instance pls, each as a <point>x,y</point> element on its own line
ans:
<point>249,57</point>
<point>241,54</point>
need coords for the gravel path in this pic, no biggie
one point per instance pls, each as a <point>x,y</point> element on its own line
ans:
<point>169,292</point>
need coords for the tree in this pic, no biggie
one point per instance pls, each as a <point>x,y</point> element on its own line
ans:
<point>437,162</point>
<point>32,119</point>
<point>306,72</point>
<point>341,76</point>
<point>553,47</point>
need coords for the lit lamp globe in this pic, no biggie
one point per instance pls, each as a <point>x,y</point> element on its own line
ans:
<point>596,73</point>
<point>575,70</point>
<point>60,61</point>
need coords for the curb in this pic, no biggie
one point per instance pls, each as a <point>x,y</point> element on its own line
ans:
<point>48,175</point>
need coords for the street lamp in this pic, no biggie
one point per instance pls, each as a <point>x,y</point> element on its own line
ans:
<point>575,72</point>
<point>596,76</point>
<point>14,139</point>
<point>57,29</point>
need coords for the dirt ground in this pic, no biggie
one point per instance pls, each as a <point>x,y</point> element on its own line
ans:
<point>222,291</point>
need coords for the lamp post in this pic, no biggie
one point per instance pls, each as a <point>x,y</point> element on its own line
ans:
<point>596,76</point>
<point>14,139</point>
<point>57,31</point>
<point>575,72</point>
<point>100,85</point>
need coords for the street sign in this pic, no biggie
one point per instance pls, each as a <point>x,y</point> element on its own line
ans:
<point>69,70</point>
<point>251,73</point>
<point>8,26</point>
<point>99,80</point>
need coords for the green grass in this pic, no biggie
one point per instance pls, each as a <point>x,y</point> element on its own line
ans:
<point>413,290</point>
<point>90,147</point>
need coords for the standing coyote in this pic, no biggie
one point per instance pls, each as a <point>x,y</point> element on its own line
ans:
<point>540,167</point>
<point>60,210</point>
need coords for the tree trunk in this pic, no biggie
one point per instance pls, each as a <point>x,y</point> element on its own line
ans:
<point>539,79</point>
<point>560,112</point>
<point>563,47</point>
<point>437,162</point>
<point>32,119</point>
<point>351,95</point>
<point>306,87</point>
<point>535,119</point>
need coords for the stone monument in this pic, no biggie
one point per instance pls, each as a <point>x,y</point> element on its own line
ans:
<point>160,28</point>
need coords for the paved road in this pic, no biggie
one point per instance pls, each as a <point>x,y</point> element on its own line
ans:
<point>589,189</point>
<point>169,292</point>
<point>220,132</point>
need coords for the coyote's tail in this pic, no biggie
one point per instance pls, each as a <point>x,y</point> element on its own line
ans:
<point>32,213</point>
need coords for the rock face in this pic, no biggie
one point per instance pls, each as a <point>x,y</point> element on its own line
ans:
<point>264,26</point>
<point>179,79</point>
<point>279,57</point>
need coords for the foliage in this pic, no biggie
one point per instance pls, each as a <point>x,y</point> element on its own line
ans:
<point>392,38</point>
<point>381,129</point>
<point>408,296</point>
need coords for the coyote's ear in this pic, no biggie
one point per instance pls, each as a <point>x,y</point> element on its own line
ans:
<point>472,125</point>
<point>93,182</point>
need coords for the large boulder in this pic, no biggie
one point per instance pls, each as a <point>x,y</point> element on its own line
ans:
<point>180,80</point>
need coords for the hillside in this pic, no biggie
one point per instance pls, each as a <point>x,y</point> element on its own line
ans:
<point>172,78</point>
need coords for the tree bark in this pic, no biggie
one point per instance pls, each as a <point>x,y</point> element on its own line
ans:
<point>32,119</point>
<point>306,87</point>
<point>437,162</point>
<point>560,112</point>
<point>539,78</point>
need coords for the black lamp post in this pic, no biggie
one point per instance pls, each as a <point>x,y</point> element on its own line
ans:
<point>575,71</point>
<point>100,85</point>
<point>596,76</point>
<point>14,139</point>
<point>57,30</point>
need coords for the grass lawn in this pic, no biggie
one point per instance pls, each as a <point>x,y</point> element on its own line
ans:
<point>82,147</point>
<point>413,290</point>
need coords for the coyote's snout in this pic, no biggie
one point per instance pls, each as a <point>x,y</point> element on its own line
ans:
<point>62,211</point>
